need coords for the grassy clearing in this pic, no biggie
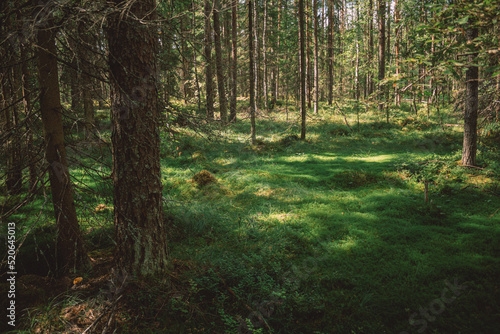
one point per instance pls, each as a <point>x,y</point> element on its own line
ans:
<point>327,235</point>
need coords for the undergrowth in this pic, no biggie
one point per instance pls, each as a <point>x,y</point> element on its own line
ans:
<point>327,235</point>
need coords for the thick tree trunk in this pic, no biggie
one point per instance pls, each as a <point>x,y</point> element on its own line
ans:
<point>219,66</point>
<point>209,85</point>
<point>471,105</point>
<point>252,74</point>
<point>70,245</point>
<point>302,70</point>
<point>234,61</point>
<point>140,229</point>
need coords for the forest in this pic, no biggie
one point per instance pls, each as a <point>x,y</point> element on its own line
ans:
<point>250,166</point>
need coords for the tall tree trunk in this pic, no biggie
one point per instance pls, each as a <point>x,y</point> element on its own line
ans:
<point>278,50</point>
<point>369,31</point>
<point>471,105</point>
<point>302,70</point>
<point>307,53</point>
<point>208,62</point>
<point>219,66</point>
<point>70,245</point>
<point>252,74</point>
<point>397,22</point>
<point>234,61</point>
<point>264,56</point>
<point>256,55</point>
<point>316,56</point>
<point>381,51</point>
<point>186,74</point>
<point>356,69</point>
<point>140,229</point>
<point>330,51</point>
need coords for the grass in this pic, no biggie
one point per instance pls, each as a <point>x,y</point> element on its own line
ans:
<point>327,235</point>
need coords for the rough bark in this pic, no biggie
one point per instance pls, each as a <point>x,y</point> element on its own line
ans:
<point>140,229</point>
<point>71,251</point>
<point>471,106</point>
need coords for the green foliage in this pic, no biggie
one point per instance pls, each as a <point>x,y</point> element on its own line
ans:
<point>307,236</point>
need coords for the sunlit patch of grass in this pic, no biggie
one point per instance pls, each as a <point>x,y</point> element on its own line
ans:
<point>327,234</point>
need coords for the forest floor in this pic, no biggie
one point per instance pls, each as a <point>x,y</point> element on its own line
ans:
<point>327,235</point>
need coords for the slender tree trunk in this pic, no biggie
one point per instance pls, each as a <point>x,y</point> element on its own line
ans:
<point>330,52</point>
<point>381,51</point>
<point>71,250</point>
<point>234,60</point>
<point>219,66</point>
<point>356,70</point>
<point>264,56</point>
<point>208,62</point>
<point>302,70</point>
<point>388,39</point>
<point>397,22</point>
<point>86,81</point>
<point>141,234</point>
<point>308,57</point>
<point>316,56</point>
<point>471,106</point>
<point>258,100</point>
<point>278,50</point>
<point>369,31</point>
<point>252,76</point>
<point>195,63</point>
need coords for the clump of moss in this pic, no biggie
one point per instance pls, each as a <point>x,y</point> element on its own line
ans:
<point>203,178</point>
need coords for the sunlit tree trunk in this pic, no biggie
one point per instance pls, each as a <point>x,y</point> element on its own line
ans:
<point>141,234</point>
<point>471,105</point>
